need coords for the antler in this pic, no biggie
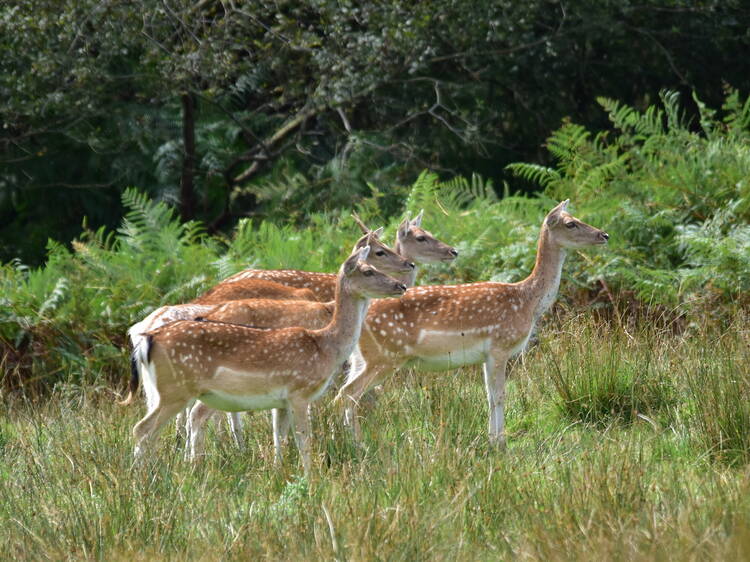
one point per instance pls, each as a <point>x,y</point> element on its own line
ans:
<point>359,222</point>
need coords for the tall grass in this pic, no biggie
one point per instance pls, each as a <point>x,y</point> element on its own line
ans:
<point>425,484</point>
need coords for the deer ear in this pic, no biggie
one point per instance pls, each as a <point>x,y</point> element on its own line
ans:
<point>364,252</point>
<point>351,262</point>
<point>553,217</point>
<point>418,219</point>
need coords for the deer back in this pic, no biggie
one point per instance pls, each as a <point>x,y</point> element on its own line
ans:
<point>253,288</point>
<point>267,313</point>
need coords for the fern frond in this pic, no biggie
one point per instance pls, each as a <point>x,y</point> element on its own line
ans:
<point>463,192</point>
<point>630,121</point>
<point>566,142</point>
<point>55,298</point>
<point>675,119</point>
<point>423,191</point>
<point>535,173</point>
<point>737,113</point>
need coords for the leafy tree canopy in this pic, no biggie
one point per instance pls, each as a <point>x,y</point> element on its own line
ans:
<point>228,108</point>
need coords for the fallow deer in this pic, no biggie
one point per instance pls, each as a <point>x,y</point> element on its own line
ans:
<point>236,368</point>
<point>416,243</point>
<point>412,243</point>
<point>442,327</point>
<point>380,256</point>
<point>257,313</point>
<point>321,286</point>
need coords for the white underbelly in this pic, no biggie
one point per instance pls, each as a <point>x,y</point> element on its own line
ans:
<point>239,403</point>
<point>450,359</point>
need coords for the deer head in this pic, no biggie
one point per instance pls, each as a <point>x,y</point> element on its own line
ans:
<point>381,256</point>
<point>567,231</point>
<point>420,245</point>
<point>360,278</point>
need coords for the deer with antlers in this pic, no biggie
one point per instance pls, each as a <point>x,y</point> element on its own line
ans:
<point>318,286</point>
<point>413,243</point>
<point>444,327</point>
<point>236,368</point>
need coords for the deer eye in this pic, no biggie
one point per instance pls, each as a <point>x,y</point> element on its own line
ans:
<point>571,224</point>
<point>380,253</point>
<point>421,238</point>
<point>367,273</point>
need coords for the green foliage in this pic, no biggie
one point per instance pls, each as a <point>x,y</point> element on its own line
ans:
<point>676,202</point>
<point>718,381</point>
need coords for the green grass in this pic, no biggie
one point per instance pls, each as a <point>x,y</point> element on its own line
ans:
<point>657,470</point>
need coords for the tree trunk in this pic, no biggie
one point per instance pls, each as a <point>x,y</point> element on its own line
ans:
<point>187,187</point>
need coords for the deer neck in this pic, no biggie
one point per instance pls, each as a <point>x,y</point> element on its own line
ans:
<point>544,282</point>
<point>410,277</point>
<point>341,335</point>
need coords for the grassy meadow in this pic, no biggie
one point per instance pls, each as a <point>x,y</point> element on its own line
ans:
<point>622,445</point>
<point>628,421</point>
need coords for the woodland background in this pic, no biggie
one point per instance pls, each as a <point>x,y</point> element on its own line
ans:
<point>268,109</point>
<point>150,149</point>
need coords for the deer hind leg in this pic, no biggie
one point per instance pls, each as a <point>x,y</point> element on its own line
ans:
<point>199,414</point>
<point>146,429</point>
<point>234,422</point>
<point>301,421</point>
<point>281,423</point>
<point>494,383</point>
<point>235,427</point>
<point>355,387</point>
<point>182,424</point>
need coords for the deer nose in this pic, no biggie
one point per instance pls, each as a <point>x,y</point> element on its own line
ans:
<point>410,264</point>
<point>401,287</point>
<point>453,252</point>
<point>604,235</point>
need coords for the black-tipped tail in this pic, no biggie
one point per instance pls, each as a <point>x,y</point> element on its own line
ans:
<point>134,379</point>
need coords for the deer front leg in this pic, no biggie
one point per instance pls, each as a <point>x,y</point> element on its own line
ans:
<point>494,383</point>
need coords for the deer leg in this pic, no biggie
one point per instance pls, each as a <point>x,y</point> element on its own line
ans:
<point>235,426</point>
<point>146,429</point>
<point>494,383</point>
<point>281,422</point>
<point>199,414</point>
<point>301,422</point>
<point>354,389</point>
<point>182,423</point>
